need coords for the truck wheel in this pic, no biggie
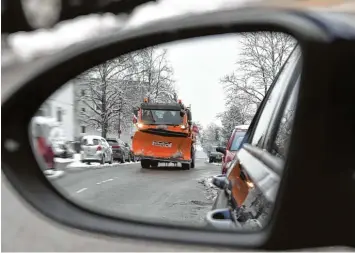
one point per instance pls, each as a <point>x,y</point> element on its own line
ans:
<point>210,161</point>
<point>145,164</point>
<point>154,163</point>
<point>186,166</point>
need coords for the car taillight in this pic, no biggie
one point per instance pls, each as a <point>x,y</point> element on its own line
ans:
<point>99,148</point>
<point>115,146</point>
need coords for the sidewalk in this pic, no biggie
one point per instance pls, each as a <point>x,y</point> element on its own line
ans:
<point>74,164</point>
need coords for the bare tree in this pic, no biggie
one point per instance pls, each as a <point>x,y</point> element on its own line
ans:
<point>211,136</point>
<point>102,92</point>
<point>157,75</point>
<point>115,87</point>
<point>263,54</point>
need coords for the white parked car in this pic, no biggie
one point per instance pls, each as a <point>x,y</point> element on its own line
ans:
<point>95,149</point>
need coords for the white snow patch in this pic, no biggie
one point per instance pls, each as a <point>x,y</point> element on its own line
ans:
<point>63,160</point>
<point>211,190</point>
<point>216,164</point>
<point>52,174</point>
<point>79,165</point>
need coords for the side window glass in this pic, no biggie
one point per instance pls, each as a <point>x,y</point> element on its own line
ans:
<point>282,81</point>
<point>281,143</point>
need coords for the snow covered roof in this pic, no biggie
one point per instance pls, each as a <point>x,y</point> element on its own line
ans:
<point>244,127</point>
<point>92,137</point>
<point>45,121</point>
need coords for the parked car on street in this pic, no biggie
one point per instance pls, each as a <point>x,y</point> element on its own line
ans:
<point>95,149</point>
<point>131,153</point>
<point>233,145</point>
<point>119,150</point>
<point>214,155</point>
<point>249,190</point>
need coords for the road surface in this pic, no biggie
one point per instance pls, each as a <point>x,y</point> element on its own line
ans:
<point>162,194</point>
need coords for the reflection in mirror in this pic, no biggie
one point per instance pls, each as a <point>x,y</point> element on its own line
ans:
<point>140,135</point>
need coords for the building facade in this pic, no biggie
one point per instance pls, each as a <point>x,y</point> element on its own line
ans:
<point>60,106</point>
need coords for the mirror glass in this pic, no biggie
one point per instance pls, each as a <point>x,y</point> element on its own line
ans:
<point>137,135</point>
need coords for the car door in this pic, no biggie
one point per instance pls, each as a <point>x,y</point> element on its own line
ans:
<point>262,156</point>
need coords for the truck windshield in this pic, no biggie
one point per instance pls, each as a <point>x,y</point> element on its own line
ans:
<point>238,138</point>
<point>161,117</point>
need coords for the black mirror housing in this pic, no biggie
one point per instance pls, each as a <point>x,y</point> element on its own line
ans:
<point>221,150</point>
<point>316,40</point>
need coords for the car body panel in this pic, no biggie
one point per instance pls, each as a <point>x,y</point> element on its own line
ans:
<point>232,148</point>
<point>118,151</point>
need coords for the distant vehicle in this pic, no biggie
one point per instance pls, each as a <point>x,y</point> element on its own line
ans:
<point>95,149</point>
<point>120,152</point>
<point>214,155</point>
<point>131,153</point>
<point>233,145</point>
<point>165,134</point>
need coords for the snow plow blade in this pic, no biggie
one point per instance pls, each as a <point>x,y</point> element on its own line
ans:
<point>162,148</point>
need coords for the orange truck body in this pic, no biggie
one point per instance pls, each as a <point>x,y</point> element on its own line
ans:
<point>164,140</point>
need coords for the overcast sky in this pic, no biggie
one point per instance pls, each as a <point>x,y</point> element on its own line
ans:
<point>198,65</point>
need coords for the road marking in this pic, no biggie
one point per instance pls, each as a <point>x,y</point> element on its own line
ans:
<point>105,181</point>
<point>81,190</point>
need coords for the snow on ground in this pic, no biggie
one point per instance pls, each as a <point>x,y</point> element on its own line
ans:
<point>216,164</point>
<point>52,174</point>
<point>211,190</point>
<point>77,164</point>
<point>63,160</point>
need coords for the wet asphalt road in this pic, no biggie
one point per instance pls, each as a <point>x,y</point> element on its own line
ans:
<point>161,194</point>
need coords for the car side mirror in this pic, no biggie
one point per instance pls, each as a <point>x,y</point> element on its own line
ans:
<point>182,113</point>
<point>221,150</point>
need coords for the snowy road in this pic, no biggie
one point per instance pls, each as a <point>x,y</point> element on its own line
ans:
<point>163,193</point>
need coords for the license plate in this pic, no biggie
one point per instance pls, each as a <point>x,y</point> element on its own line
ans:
<point>162,144</point>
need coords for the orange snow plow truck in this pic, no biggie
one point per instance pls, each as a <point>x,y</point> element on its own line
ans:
<point>164,134</point>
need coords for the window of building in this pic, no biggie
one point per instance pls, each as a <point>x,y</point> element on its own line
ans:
<point>82,92</point>
<point>59,114</point>
<point>83,129</point>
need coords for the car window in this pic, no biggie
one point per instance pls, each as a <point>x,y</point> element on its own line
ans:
<point>96,141</point>
<point>112,142</point>
<point>271,103</point>
<point>280,145</point>
<point>238,138</point>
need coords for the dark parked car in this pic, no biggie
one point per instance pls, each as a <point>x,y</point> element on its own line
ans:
<point>132,158</point>
<point>233,145</point>
<point>119,150</point>
<point>214,156</point>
